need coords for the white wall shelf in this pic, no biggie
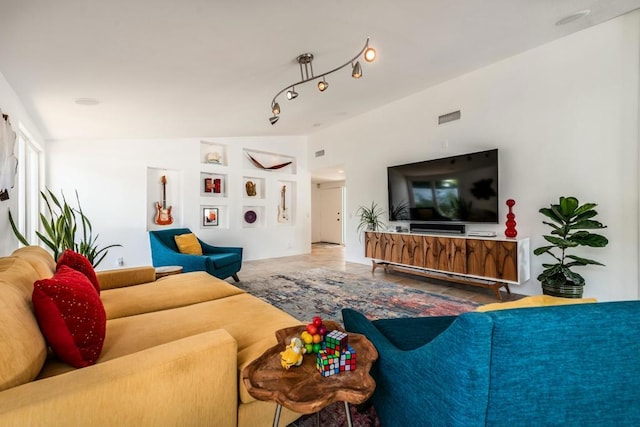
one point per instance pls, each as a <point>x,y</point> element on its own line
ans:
<point>253,216</point>
<point>268,162</point>
<point>213,184</point>
<point>214,216</point>
<point>253,188</point>
<point>213,153</point>
<point>286,194</point>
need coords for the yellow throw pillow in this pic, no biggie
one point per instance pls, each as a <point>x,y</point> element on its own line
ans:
<point>188,244</point>
<point>535,301</point>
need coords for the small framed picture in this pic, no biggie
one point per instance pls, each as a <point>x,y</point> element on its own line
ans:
<point>210,217</point>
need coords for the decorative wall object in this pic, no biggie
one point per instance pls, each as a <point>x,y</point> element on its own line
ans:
<point>283,213</point>
<point>511,221</point>
<point>214,157</point>
<point>253,187</point>
<point>253,216</point>
<point>210,217</point>
<point>250,216</point>
<point>163,214</point>
<point>213,153</point>
<point>272,167</point>
<point>213,184</point>
<point>269,161</point>
<point>250,188</point>
<point>8,160</point>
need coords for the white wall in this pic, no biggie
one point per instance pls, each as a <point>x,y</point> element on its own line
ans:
<point>564,117</point>
<point>111,178</point>
<point>10,104</point>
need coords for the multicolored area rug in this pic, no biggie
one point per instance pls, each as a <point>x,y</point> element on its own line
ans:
<point>325,292</point>
<point>334,415</point>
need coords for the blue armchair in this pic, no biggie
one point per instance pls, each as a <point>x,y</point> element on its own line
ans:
<point>218,261</point>
<point>572,365</point>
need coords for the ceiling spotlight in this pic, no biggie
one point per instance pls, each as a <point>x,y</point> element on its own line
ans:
<point>89,102</point>
<point>292,94</point>
<point>370,54</point>
<point>573,17</point>
<point>323,85</point>
<point>273,119</point>
<point>356,73</point>
<point>305,61</point>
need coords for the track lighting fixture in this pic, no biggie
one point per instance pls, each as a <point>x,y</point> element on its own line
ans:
<point>323,85</point>
<point>292,94</point>
<point>370,54</point>
<point>356,72</point>
<point>305,61</point>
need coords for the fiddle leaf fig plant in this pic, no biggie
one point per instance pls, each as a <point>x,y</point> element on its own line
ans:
<point>61,229</point>
<point>370,217</point>
<point>570,228</point>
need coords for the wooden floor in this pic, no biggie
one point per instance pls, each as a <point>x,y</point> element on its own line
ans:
<point>332,257</point>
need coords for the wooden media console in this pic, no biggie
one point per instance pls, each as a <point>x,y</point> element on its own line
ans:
<point>479,261</point>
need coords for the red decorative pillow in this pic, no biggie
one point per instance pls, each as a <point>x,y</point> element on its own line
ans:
<point>71,316</point>
<point>80,263</point>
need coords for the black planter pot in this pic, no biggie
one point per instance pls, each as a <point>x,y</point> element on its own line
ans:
<point>568,290</point>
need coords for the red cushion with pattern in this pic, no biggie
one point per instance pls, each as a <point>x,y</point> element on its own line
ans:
<point>71,316</point>
<point>81,263</point>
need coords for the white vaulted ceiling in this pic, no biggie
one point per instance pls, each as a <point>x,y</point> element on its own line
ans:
<point>187,68</point>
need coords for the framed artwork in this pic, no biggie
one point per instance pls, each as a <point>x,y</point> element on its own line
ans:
<point>210,217</point>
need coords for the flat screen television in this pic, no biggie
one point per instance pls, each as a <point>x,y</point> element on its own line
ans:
<point>459,189</point>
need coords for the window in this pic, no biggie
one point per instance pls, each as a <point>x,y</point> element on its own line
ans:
<point>30,181</point>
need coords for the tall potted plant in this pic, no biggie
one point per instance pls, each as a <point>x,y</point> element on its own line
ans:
<point>61,230</point>
<point>570,223</point>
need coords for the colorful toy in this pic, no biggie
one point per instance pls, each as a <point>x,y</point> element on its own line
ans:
<point>314,334</point>
<point>328,364</point>
<point>335,342</point>
<point>337,355</point>
<point>348,360</point>
<point>293,354</point>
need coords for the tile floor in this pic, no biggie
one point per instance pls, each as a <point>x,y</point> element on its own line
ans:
<point>332,256</point>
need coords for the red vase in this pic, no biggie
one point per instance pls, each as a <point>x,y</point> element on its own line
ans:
<point>511,221</point>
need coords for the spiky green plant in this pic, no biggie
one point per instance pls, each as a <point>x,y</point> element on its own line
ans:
<point>370,217</point>
<point>570,222</point>
<point>61,229</point>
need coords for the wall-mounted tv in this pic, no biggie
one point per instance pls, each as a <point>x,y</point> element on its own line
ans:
<point>462,189</point>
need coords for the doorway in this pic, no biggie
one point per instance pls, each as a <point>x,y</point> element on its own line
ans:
<point>327,206</point>
<point>331,202</point>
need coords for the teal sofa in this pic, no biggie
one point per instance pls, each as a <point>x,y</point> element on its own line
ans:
<point>573,365</point>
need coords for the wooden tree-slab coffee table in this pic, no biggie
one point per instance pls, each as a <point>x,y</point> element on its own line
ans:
<point>302,388</point>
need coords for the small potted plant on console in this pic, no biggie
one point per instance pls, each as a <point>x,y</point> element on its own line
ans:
<point>370,218</point>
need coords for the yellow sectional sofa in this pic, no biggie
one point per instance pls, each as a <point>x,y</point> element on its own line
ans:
<point>172,356</point>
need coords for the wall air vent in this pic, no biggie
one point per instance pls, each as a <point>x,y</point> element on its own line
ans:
<point>449,117</point>
<point>319,153</point>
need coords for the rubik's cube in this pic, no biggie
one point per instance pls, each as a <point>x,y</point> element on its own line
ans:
<point>328,364</point>
<point>337,356</point>
<point>348,360</point>
<point>335,342</point>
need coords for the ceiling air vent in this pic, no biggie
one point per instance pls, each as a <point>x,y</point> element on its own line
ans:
<point>446,118</point>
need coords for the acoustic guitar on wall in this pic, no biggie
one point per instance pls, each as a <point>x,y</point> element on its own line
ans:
<point>163,215</point>
<point>283,214</point>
